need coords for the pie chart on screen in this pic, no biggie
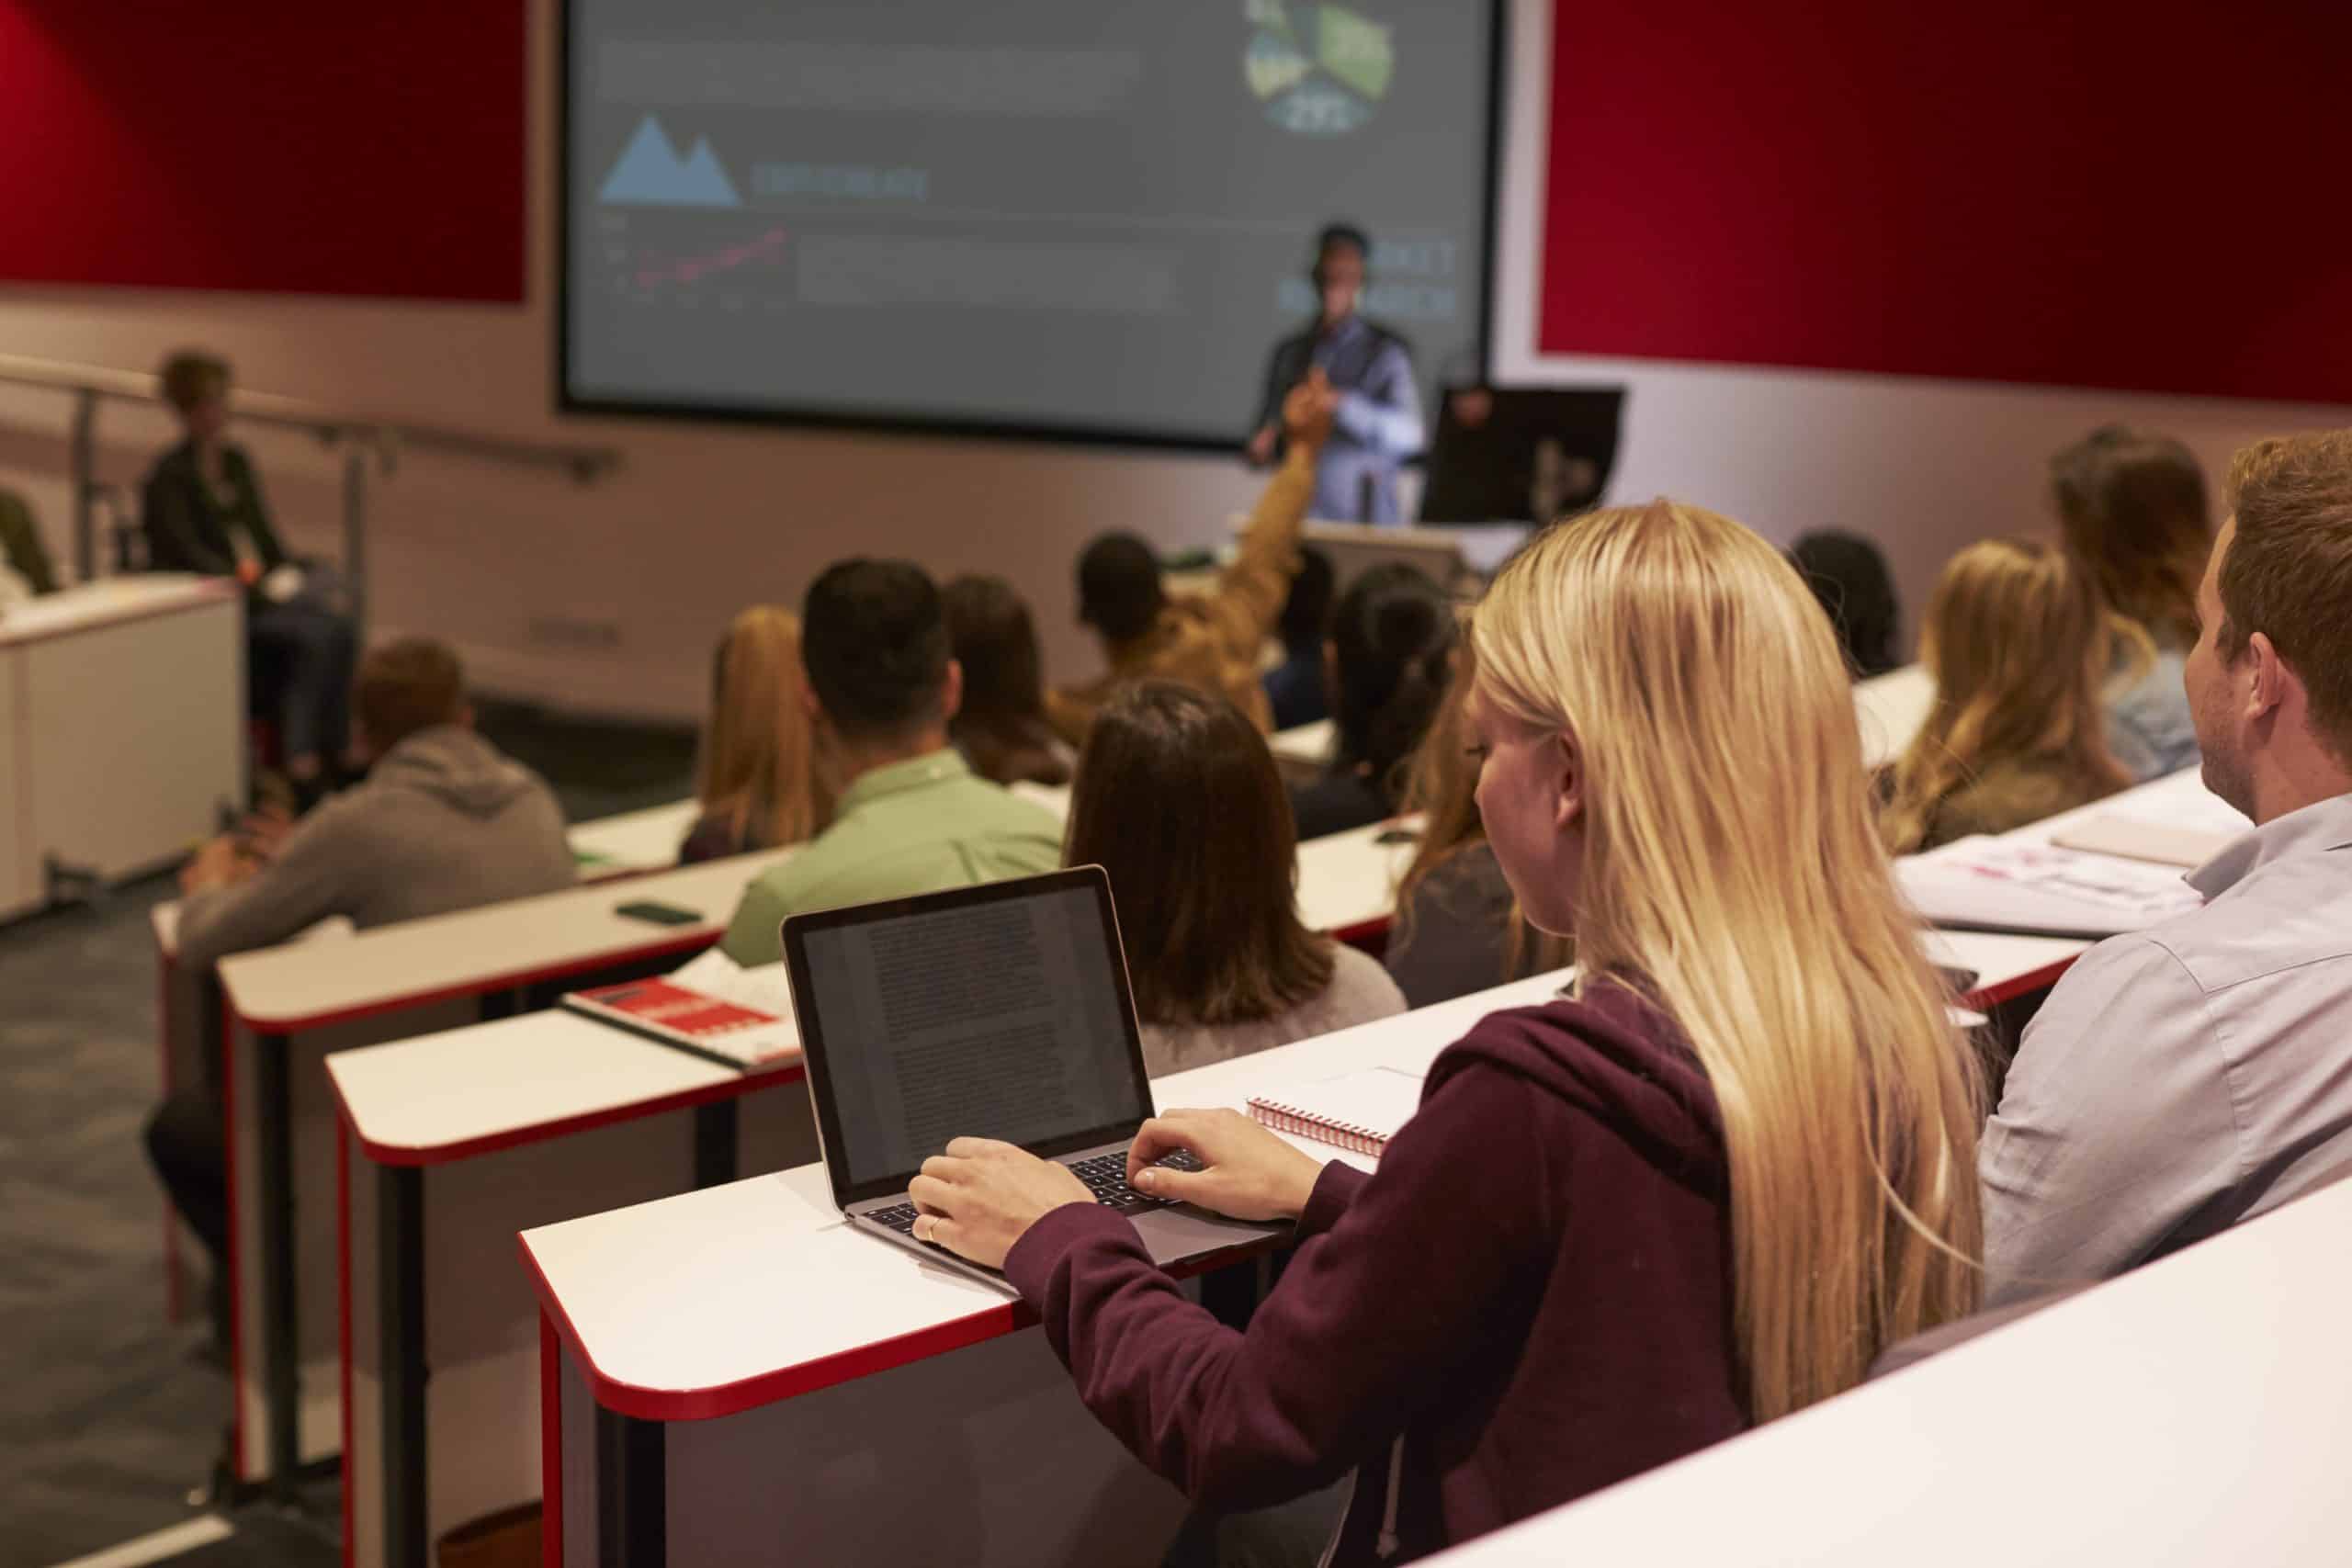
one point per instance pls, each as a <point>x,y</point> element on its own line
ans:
<point>1318,70</point>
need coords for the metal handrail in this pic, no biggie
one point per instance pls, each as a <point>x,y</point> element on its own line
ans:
<point>583,462</point>
<point>359,436</point>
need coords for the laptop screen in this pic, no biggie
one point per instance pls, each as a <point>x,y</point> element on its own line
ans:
<point>999,1011</point>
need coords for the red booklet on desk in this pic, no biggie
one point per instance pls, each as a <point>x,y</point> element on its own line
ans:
<point>732,1033</point>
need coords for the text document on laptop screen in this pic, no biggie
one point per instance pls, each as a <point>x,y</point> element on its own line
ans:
<point>1000,1019</point>
<point>1090,217</point>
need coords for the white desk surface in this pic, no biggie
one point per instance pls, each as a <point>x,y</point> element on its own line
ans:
<point>1891,710</point>
<point>1348,881</point>
<point>701,1304</point>
<point>2192,1412</point>
<point>489,1086</point>
<point>1307,743</point>
<point>1947,893</point>
<point>633,840</point>
<point>304,985</point>
<point>88,604</point>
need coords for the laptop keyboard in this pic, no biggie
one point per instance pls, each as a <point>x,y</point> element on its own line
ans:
<point>1105,1176</point>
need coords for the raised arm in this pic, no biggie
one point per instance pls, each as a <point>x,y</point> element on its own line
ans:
<point>1251,592</point>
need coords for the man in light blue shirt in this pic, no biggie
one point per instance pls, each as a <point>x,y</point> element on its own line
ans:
<point>1377,421</point>
<point>2195,1074</point>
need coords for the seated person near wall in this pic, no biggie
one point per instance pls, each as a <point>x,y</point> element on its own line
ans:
<point>1179,799</point>
<point>2134,512</point>
<point>2193,1075</point>
<point>1388,659</point>
<point>1624,1224</point>
<point>2017,645</point>
<point>1458,929</point>
<point>909,815</point>
<point>757,780</point>
<point>1295,689</point>
<point>1209,641</point>
<point>1847,573</point>
<point>202,512</point>
<point>1001,726</point>
<point>443,821</point>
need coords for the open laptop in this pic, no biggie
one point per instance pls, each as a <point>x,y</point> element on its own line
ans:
<point>997,1011</point>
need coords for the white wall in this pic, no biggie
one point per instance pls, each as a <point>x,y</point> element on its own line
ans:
<point>517,566</point>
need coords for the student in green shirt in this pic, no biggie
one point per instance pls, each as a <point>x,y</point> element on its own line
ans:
<point>910,816</point>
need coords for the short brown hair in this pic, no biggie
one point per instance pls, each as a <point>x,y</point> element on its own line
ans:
<point>191,376</point>
<point>1179,799</point>
<point>2289,572</point>
<point>2133,509</point>
<point>406,686</point>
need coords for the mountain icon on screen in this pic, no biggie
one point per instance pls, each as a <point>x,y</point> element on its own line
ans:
<point>651,173</point>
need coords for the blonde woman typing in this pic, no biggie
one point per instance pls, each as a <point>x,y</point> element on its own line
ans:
<point>1701,1191</point>
<point>758,785</point>
<point>2017,645</point>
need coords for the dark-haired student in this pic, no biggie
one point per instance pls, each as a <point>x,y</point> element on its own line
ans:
<point>1458,928</point>
<point>910,816</point>
<point>1001,726</point>
<point>1621,1225</point>
<point>1849,574</point>
<point>2134,512</point>
<point>1179,799</point>
<point>2194,1075</point>
<point>1208,641</point>
<point>1392,641</point>
<point>1297,689</point>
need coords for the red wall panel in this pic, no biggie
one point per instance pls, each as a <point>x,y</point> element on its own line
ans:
<point>2137,194</point>
<point>269,145</point>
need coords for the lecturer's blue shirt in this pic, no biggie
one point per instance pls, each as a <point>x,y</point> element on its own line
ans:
<point>1376,427</point>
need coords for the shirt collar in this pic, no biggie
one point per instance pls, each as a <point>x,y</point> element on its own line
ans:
<point>2317,827</point>
<point>896,778</point>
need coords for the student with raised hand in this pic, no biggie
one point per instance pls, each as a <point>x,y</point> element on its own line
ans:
<point>1208,641</point>
<point>1179,800</point>
<point>2018,644</point>
<point>2133,510</point>
<point>1702,1192</point>
<point>1392,641</point>
<point>1458,929</point>
<point>1001,726</point>
<point>909,815</point>
<point>757,779</point>
<point>2193,1075</point>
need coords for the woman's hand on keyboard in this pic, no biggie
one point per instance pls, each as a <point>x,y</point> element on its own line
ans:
<point>1247,1172</point>
<point>981,1196</point>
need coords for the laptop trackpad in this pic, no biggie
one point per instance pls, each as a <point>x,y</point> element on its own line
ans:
<point>1182,1232</point>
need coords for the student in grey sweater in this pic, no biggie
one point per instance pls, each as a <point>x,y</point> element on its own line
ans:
<point>444,822</point>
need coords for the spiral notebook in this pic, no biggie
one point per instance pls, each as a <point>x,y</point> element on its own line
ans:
<point>1358,1112</point>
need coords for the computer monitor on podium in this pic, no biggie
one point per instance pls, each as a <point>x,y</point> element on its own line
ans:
<point>1520,454</point>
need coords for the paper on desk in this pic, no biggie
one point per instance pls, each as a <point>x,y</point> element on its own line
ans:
<point>767,988</point>
<point>2132,886</point>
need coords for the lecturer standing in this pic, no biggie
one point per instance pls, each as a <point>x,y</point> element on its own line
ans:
<point>1378,422</point>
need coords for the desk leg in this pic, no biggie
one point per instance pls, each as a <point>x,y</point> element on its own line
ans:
<point>282,1372</point>
<point>716,1129</point>
<point>399,1320</point>
<point>633,1492</point>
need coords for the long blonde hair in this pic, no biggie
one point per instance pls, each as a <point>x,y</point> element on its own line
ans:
<point>1731,873</point>
<point>758,761</point>
<point>2018,645</point>
<point>1442,784</point>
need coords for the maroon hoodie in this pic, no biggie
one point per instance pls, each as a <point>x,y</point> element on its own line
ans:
<point>1530,1301</point>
